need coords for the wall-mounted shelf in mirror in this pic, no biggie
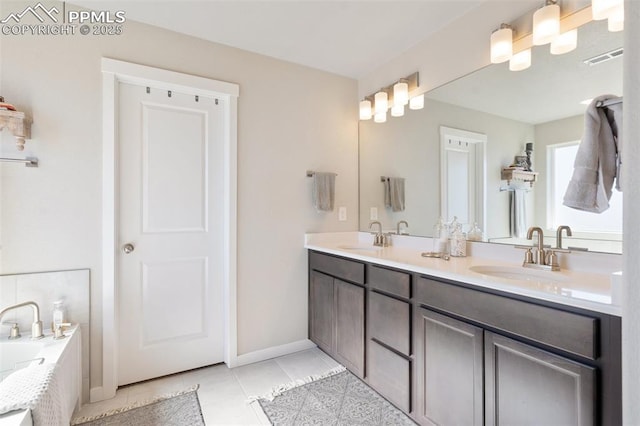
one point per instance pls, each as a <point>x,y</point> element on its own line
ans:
<point>510,174</point>
<point>18,124</point>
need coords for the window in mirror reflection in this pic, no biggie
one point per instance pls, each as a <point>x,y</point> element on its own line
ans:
<point>561,158</point>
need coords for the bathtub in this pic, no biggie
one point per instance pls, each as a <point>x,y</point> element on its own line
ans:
<point>25,353</point>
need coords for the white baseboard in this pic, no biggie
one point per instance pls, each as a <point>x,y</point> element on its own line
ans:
<point>98,394</point>
<point>272,352</point>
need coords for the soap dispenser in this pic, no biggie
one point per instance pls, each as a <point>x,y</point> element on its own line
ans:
<point>440,237</point>
<point>58,315</point>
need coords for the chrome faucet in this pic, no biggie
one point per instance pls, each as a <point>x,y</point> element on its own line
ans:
<point>559,234</point>
<point>406,224</point>
<point>379,238</point>
<point>36,327</point>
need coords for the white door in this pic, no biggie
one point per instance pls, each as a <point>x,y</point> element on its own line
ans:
<point>462,175</point>
<point>170,266</point>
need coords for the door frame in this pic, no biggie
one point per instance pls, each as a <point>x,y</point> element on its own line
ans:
<point>113,73</point>
<point>480,142</point>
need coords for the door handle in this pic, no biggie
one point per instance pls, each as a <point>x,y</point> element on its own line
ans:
<point>128,248</point>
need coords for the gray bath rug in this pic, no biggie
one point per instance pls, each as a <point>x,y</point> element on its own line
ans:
<point>340,399</point>
<point>178,409</point>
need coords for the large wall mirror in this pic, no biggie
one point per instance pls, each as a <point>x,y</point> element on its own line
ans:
<point>540,105</point>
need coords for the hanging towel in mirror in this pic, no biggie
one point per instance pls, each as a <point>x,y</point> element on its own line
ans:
<point>323,192</point>
<point>394,194</point>
<point>594,169</point>
<point>614,116</point>
<point>518,213</point>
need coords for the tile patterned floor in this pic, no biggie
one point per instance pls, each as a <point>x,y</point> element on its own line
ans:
<point>223,392</point>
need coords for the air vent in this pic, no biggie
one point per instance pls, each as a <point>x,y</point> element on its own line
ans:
<point>604,57</point>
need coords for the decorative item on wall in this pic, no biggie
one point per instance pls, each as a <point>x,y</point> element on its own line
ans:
<point>395,96</point>
<point>16,122</point>
<point>20,127</point>
<point>549,28</point>
<point>323,191</point>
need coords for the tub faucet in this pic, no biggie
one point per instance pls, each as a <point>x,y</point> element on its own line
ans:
<point>559,234</point>
<point>36,327</point>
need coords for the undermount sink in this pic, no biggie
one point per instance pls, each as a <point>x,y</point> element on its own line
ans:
<point>359,247</point>
<point>519,273</point>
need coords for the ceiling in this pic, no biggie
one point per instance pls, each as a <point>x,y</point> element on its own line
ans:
<point>349,38</point>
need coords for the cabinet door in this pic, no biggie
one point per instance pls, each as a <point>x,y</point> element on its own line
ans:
<point>349,315</point>
<point>449,371</point>
<point>528,386</point>
<point>321,303</point>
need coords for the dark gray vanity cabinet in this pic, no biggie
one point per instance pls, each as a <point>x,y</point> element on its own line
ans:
<point>450,353</point>
<point>484,358</point>
<point>389,349</point>
<point>337,308</point>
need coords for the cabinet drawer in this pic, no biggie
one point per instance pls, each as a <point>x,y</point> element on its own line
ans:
<point>337,267</point>
<point>389,321</point>
<point>567,331</point>
<point>394,282</point>
<point>389,374</point>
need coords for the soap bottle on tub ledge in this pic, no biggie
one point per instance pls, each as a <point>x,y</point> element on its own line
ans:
<point>58,315</point>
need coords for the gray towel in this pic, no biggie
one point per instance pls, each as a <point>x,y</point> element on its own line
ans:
<point>614,116</point>
<point>323,193</point>
<point>594,169</point>
<point>518,213</point>
<point>394,194</point>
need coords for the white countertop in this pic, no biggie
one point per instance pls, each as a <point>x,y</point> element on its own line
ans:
<point>583,289</point>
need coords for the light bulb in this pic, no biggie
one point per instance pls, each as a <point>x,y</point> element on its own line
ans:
<point>365,110</point>
<point>601,9</point>
<point>380,117</point>
<point>615,21</point>
<point>501,44</point>
<point>417,102</point>
<point>520,61</point>
<point>400,94</point>
<point>546,24</point>
<point>381,102</point>
<point>565,42</point>
<point>397,110</point>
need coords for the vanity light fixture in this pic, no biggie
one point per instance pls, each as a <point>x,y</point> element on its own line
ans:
<point>546,29</point>
<point>546,23</point>
<point>565,42</point>
<point>417,102</point>
<point>394,96</point>
<point>365,109</point>
<point>502,44</point>
<point>520,61</point>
